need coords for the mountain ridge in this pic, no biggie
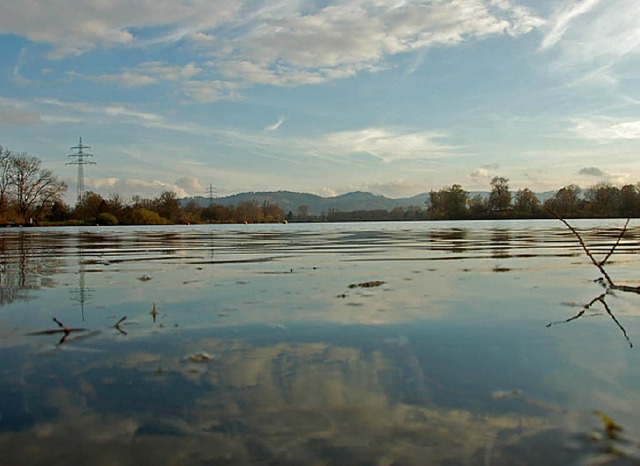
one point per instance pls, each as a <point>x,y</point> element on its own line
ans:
<point>352,201</point>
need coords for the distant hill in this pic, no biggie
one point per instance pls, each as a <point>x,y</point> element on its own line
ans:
<point>358,200</point>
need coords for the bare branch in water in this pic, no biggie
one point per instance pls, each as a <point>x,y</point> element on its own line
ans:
<point>599,265</point>
<point>622,232</point>
<point>609,282</point>
<point>622,329</point>
<point>602,299</point>
<point>579,314</point>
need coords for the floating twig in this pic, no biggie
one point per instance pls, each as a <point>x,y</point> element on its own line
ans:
<point>154,312</point>
<point>63,329</point>
<point>370,284</point>
<point>117,325</point>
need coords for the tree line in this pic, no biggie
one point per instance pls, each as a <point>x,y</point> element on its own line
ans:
<point>600,200</point>
<point>32,194</point>
<point>165,209</point>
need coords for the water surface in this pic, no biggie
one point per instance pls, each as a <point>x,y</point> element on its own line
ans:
<point>254,344</point>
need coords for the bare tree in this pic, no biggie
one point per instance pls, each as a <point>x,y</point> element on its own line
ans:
<point>35,188</point>
<point>5,172</point>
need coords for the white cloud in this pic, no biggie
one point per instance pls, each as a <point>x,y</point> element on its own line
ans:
<point>275,125</point>
<point>395,188</point>
<point>384,144</point>
<point>278,44</point>
<point>283,47</point>
<point>563,18</point>
<point>129,187</point>
<point>485,172</point>
<point>126,79</point>
<point>191,185</point>
<point>74,28</point>
<point>593,37</point>
<point>607,129</point>
<point>122,111</point>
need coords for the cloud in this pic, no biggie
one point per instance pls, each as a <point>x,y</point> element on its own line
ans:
<point>246,43</point>
<point>591,171</point>
<point>285,47</point>
<point>395,188</point>
<point>563,18</point>
<point>276,125</point>
<point>616,178</point>
<point>484,172</point>
<point>385,144</point>
<point>191,185</point>
<point>17,69</point>
<point>144,74</point>
<point>593,38</point>
<point>126,78</point>
<point>122,111</point>
<point>75,28</point>
<point>606,129</point>
<point>133,186</point>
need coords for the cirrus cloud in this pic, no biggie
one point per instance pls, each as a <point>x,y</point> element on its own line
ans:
<point>385,144</point>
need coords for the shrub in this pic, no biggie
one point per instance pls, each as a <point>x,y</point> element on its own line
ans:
<point>142,216</point>
<point>105,218</point>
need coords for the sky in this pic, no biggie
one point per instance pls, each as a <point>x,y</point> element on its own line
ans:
<point>391,97</point>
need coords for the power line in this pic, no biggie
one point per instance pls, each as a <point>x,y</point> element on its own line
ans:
<point>80,158</point>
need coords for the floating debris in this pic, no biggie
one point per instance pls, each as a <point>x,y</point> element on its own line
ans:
<point>370,284</point>
<point>144,278</point>
<point>200,357</point>
<point>117,325</point>
<point>154,312</point>
<point>504,394</point>
<point>612,428</point>
<point>66,331</point>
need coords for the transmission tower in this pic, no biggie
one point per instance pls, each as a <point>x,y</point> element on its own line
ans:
<point>80,158</point>
<point>211,191</point>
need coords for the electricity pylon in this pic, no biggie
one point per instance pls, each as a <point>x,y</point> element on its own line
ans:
<point>81,158</point>
<point>211,191</point>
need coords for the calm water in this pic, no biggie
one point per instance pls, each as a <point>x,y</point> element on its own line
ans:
<point>254,345</point>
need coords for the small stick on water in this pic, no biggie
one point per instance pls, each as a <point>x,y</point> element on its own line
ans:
<point>63,329</point>
<point>117,325</point>
<point>62,326</point>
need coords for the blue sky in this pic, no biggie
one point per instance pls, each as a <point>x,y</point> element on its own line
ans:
<point>391,97</point>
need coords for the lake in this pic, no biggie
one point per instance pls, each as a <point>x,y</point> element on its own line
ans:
<point>439,343</point>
